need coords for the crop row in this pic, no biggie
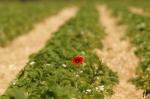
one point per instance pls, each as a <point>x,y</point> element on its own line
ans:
<point>51,74</point>
<point>17,18</point>
<point>138,29</point>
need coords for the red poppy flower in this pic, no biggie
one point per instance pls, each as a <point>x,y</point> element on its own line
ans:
<point>78,60</point>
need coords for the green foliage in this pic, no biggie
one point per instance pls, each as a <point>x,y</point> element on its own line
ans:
<point>50,73</point>
<point>18,18</point>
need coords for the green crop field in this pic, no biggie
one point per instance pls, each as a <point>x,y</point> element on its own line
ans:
<point>67,66</point>
<point>17,18</point>
<point>43,79</point>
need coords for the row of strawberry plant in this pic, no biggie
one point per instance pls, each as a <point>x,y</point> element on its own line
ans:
<point>139,32</point>
<point>17,18</point>
<point>67,68</point>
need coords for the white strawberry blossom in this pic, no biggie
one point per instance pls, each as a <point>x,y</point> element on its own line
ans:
<point>81,71</point>
<point>48,64</point>
<point>64,65</point>
<point>77,75</point>
<point>32,63</point>
<point>88,90</point>
<point>100,88</point>
<point>97,78</point>
<point>148,69</point>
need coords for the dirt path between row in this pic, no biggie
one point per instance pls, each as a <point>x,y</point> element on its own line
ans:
<point>139,11</point>
<point>14,57</point>
<point>118,54</point>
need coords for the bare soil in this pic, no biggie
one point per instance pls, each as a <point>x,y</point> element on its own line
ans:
<point>139,11</point>
<point>14,57</point>
<point>118,54</point>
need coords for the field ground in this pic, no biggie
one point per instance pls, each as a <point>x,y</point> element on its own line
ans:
<point>75,50</point>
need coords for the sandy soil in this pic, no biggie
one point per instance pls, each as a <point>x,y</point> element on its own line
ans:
<point>14,57</point>
<point>139,11</point>
<point>118,54</point>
